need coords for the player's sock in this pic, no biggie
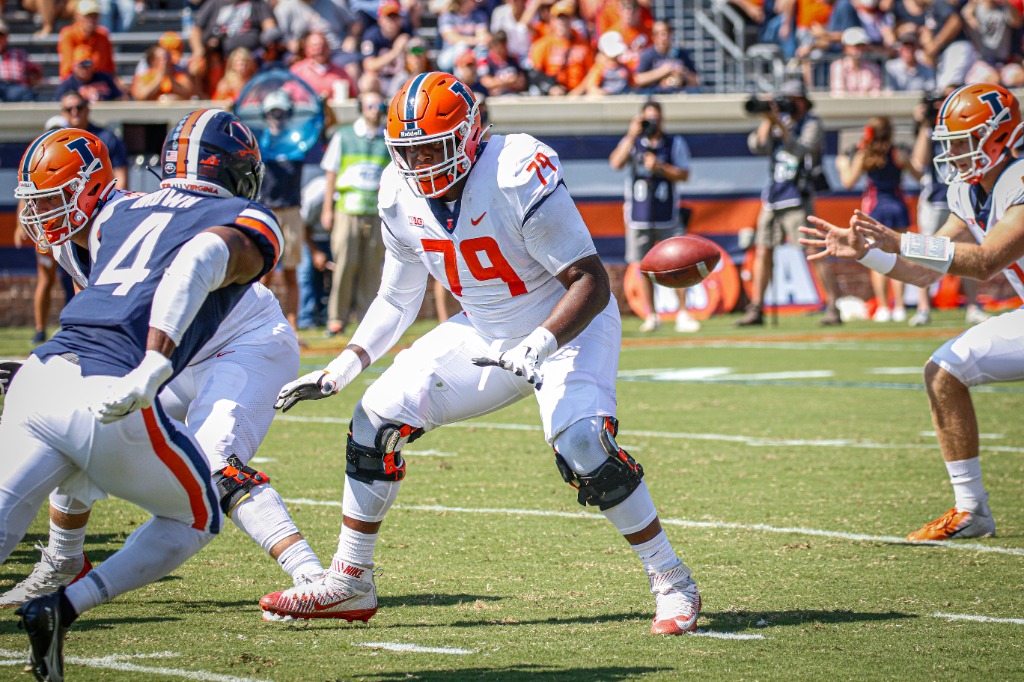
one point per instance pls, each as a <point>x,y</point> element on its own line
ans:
<point>64,543</point>
<point>656,554</point>
<point>157,547</point>
<point>965,475</point>
<point>355,547</point>
<point>300,559</point>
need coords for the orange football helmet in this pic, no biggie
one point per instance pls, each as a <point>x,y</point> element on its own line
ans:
<point>438,112</point>
<point>64,177</point>
<point>982,121</point>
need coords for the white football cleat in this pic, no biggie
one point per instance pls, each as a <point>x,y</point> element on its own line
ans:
<point>685,324</point>
<point>677,601</point>
<point>650,324</point>
<point>345,592</point>
<point>47,575</point>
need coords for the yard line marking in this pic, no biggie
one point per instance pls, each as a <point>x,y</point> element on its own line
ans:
<point>896,370</point>
<point>723,635</point>
<point>651,376</point>
<point>624,434</point>
<point>428,453</point>
<point>115,662</point>
<point>786,345</point>
<point>416,649</point>
<point>688,523</point>
<point>980,619</point>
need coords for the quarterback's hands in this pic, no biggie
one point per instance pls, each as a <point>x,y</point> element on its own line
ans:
<point>134,391</point>
<point>321,383</point>
<point>834,241</point>
<point>7,372</point>
<point>880,236</point>
<point>524,360</point>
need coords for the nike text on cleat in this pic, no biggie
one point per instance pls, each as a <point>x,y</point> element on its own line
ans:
<point>955,524</point>
<point>41,621</point>
<point>677,601</point>
<point>335,595</point>
<point>47,575</point>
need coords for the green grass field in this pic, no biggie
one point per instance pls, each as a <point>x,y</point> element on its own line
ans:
<point>786,463</point>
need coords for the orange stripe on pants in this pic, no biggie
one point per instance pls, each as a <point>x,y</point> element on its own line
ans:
<point>173,461</point>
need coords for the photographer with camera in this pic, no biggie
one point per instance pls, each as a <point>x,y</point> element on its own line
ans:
<point>792,137</point>
<point>932,209</point>
<point>656,163</point>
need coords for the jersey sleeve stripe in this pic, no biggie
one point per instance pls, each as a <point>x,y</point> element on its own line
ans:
<point>269,221</point>
<point>268,234</point>
<point>533,209</point>
<point>189,468</point>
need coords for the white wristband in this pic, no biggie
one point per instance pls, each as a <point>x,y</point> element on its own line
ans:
<point>345,368</point>
<point>880,261</point>
<point>542,341</point>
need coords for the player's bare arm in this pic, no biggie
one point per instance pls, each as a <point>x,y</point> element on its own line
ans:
<point>587,292</point>
<point>1003,245</point>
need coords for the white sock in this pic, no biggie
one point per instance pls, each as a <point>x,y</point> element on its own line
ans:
<point>656,554</point>
<point>299,559</point>
<point>965,475</point>
<point>64,543</point>
<point>355,547</point>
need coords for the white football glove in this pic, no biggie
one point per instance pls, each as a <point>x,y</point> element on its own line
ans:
<point>321,383</point>
<point>524,360</point>
<point>134,391</point>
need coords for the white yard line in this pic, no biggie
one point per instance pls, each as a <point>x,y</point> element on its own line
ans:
<point>687,523</point>
<point>752,441</point>
<point>979,619</point>
<point>117,662</point>
<point>416,648</point>
<point>724,635</point>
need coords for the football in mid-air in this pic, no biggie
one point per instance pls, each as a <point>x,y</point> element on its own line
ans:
<point>680,262</point>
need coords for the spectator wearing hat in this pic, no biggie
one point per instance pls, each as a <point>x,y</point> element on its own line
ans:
<point>793,142</point>
<point>561,58</point>
<point>853,74</point>
<point>384,43</point>
<point>415,61</point>
<point>339,26</point>
<point>633,22</point>
<point>86,31</point>
<point>18,74</point>
<point>319,72</point>
<point>163,81</point>
<point>93,85</point>
<point>463,26</point>
<point>609,75</point>
<point>664,68</point>
<point>905,72</point>
<point>500,71</point>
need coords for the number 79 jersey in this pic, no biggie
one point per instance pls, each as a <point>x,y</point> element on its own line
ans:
<point>132,242</point>
<point>497,248</point>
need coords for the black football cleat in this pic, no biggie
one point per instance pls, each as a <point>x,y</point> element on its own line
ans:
<point>42,621</point>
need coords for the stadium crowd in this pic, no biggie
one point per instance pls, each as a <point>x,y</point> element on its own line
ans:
<point>563,48</point>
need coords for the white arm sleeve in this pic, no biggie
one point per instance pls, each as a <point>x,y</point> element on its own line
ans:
<point>394,309</point>
<point>199,268</point>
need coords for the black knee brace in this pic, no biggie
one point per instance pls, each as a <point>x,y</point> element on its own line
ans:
<point>610,483</point>
<point>234,483</point>
<point>382,462</point>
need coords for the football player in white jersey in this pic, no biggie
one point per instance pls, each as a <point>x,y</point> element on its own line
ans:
<point>224,396</point>
<point>494,222</point>
<point>979,125</point>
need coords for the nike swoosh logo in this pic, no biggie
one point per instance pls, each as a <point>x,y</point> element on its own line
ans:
<point>477,221</point>
<point>324,607</point>
<point>227,352</point>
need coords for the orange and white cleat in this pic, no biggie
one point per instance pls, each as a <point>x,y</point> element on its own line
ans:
<point>955,524</point>
<point>677,601</point>
<point>344,594</point>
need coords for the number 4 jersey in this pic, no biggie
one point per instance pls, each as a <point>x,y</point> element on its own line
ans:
<point>132,241</point>
<point>495,249</point>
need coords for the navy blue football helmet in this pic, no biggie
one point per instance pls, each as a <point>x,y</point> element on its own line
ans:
<point>212,152</point>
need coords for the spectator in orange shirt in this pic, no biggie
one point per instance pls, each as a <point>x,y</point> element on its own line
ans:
<point>562,57</point>
<point>241,67</point>
<point>163,81</point>
<point>86,31</point>
<point>318,70</point>
<point>609,75</point>
<point>91,84</point>
<point>633,22</point>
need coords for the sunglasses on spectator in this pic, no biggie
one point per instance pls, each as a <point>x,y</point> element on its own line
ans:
<point>75,107</point>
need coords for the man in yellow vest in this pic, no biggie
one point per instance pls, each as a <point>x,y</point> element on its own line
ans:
<point>354,161</point>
